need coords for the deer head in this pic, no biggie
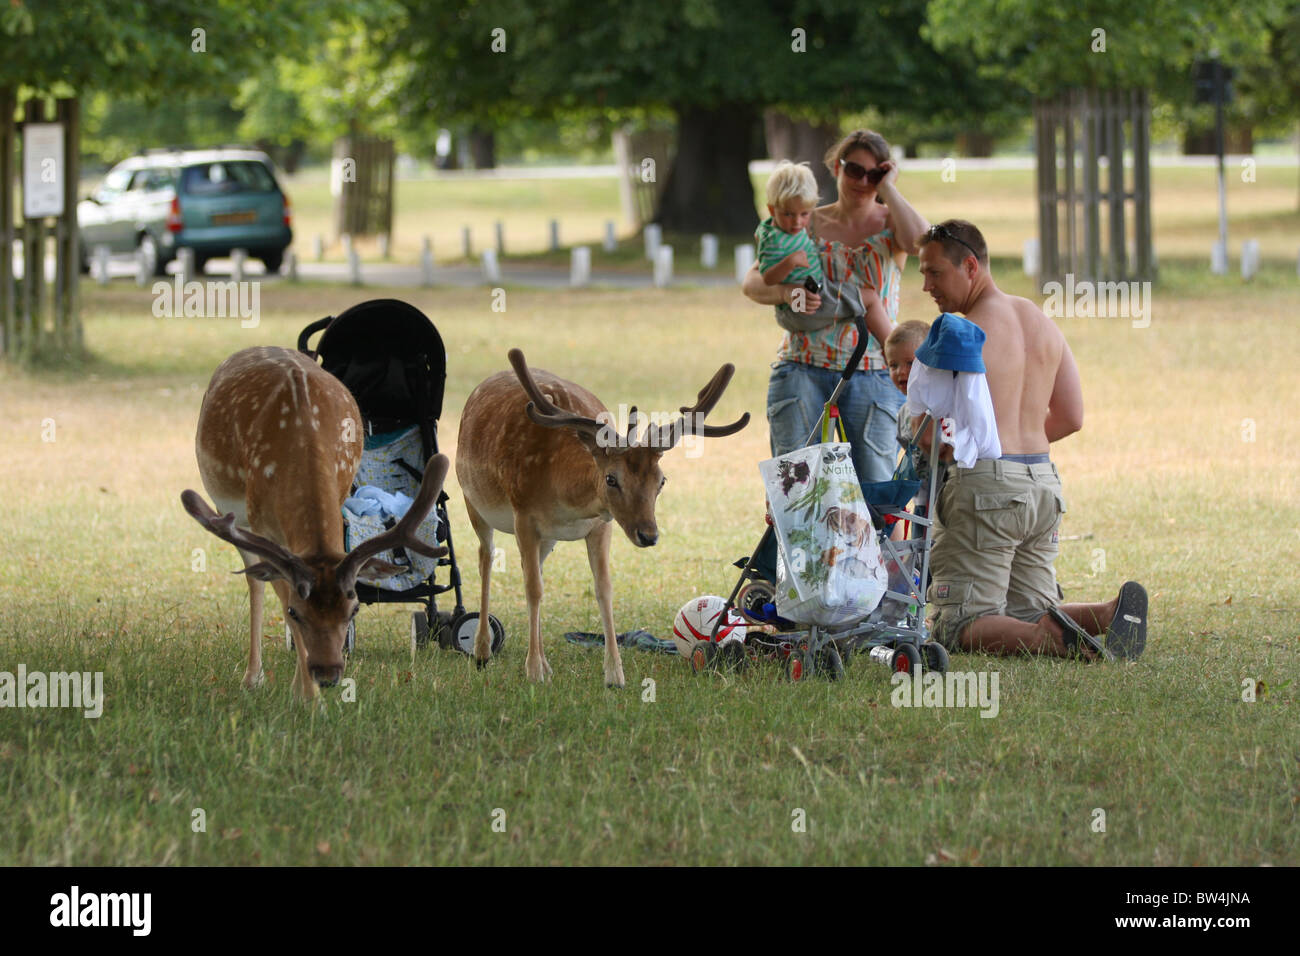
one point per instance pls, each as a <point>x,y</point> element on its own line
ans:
<point>321,588</point>
<point>630,478</point>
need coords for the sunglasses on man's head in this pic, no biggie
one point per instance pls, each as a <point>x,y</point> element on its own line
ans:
<point>939,233</point>
<point>857,171</point>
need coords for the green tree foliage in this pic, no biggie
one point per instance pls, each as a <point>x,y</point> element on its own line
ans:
<point>1049,47</point>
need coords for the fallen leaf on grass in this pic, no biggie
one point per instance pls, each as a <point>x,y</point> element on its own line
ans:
<point>323,847</point>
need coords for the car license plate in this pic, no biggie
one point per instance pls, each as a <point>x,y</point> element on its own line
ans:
<point>234,218</point>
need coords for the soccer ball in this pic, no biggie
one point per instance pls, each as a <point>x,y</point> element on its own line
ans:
<point>694,623</point>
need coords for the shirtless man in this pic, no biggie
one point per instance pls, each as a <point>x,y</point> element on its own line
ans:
<point>994,585</point>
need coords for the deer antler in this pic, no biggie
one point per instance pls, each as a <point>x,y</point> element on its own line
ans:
<point>278,562</point>
<point>666,436</point>
<point>541,409</point>
<point>401,534</point>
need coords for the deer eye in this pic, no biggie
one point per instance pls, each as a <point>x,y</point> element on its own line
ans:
<point>611,481</point>
<point>291,612</point>
<point>663,481</point>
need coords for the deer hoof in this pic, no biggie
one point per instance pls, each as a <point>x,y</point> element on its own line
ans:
<point>480,665</point>
<point>254,681</point>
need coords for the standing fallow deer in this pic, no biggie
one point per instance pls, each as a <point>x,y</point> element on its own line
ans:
<point>278,444</point>
<point>533,460</point>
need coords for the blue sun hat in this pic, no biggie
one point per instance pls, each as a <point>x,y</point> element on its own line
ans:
<point>954,344</point>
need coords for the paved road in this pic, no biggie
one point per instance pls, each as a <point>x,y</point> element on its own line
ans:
<point>122,269</point>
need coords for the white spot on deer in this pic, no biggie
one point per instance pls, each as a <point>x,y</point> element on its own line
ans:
<point>298,422</point>
<point>268,470</point>
<point>282,423</point>
<point>284,409</point>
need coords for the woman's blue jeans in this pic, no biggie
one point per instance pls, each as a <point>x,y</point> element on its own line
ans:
<point>868,406</point>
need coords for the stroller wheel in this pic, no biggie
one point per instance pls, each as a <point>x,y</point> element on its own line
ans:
<point>829,663</point>
<point>936,657</point>
<point>702,655</point>
<point>419,630</point>
<point>498,634</point>
<point>752,597</point>
<point>907,659</point>
<point>462,629</point>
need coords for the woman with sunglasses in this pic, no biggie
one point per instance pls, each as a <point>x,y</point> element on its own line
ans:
<point>864,239</point>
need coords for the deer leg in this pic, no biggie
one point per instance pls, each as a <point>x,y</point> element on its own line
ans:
<point>598,557</point>
<point>530,558</point>
<point>253,676</point>
<point>483,634</point>
<point>542,553</point>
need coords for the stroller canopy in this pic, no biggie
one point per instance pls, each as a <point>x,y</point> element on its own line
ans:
<point>390,357</point>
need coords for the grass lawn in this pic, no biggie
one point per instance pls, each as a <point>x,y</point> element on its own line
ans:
<point>1162,485</point>
<point>1001,202</point>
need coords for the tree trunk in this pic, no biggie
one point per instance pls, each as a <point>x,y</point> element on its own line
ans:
<point>483,147</point>
<point>708,188</point>
<point>801,141</point>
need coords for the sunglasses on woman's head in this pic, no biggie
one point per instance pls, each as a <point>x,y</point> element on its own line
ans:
<point>857,171</point>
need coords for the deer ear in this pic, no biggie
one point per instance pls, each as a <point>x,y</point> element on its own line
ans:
<point>263,571</point>
<point>374,568</point>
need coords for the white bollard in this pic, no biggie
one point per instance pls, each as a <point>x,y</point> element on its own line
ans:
<point>383,245</point>
<point>611,241</point>
<point>101,264</point>
<point>1249,259</point>
<point>142,272</point>
<point>238,259</point>
<point>466,248</point>
<point>1030,259</point>
<point>491,268</point>
<point>555,235</point>
<point>663,266</point>
<point>318,247</point>
<point>580,266</point>
<point>709,250</point>
<point>347,246</point>
<point>185,257</point>
<point>1219,258</point>
<point>500,228</point>
<point>354,267</point>
<point>426,262</point>
<point>744,261</point>
<point>291,265</point>
<point>654,236</point>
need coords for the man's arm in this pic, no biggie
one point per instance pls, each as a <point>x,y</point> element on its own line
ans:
<point>1065,407</point>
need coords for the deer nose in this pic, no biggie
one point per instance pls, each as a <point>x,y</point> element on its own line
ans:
<point>646,540</point>
<point>326,676</point>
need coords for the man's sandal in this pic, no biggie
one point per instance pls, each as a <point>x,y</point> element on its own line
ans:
<point>1076,638</point>
<point>1127,635</point>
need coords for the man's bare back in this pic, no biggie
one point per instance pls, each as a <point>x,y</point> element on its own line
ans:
<point>1031,372</point>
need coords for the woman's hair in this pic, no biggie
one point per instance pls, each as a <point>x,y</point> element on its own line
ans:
<point>789,181</point>
<point>871,141</point>
<point>910,333</point>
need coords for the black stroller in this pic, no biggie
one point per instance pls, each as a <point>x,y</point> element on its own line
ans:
<point>392,360</point>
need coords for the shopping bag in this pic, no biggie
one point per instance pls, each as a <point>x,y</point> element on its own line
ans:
<point>829,567</point>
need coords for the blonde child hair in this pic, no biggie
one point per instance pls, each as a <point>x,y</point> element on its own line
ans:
<point>791,181</point>
<point>912,332</point>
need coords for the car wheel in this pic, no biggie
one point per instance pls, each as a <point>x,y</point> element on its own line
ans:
<point>272,261</point>
<point>148,251</point>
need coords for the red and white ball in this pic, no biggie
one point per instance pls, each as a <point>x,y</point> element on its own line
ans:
<point>694,623</point>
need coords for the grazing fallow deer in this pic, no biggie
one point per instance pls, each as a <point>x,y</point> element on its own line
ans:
<point>278,444</point>
<point>534,460</point>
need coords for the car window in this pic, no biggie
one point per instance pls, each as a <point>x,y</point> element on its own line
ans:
<point>153,180</point>
<point>224,178</point>
<point>117,180</point>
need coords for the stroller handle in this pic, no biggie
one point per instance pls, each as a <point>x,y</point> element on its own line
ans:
<point>861,350</point>
<point>311,330</point>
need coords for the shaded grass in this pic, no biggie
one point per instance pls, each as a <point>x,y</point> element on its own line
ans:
<point>98,576</point>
